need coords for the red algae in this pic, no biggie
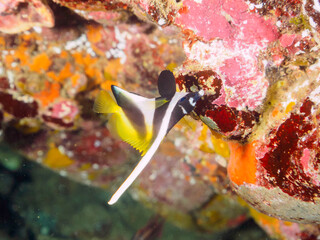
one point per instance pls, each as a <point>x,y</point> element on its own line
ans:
<point>229,121</point>
<point>231,51</point>
<point>4,83</point>
<point>61,114</point>
<point>19,108</point>
<point>198,17</point>
<point>232,123</point>
<point>313,14</point>
<point>282,162</point>
<point>224,117</point>
<point>206,80</point>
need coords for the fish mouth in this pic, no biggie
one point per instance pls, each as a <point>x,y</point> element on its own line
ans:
<point>198,95</point>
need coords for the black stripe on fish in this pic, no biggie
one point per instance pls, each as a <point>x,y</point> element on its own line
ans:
<point>158,117</point>
<point>131,110</point>
<point>185,105</point>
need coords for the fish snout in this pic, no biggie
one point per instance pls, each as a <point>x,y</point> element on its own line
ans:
<point>198,95</point>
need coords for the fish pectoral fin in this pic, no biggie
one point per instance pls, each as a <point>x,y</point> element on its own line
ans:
<point>104,103</point>
<point>160,101</point>
<point>125,98</point>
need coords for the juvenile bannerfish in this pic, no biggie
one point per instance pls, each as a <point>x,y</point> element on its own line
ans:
<point>144,122</point>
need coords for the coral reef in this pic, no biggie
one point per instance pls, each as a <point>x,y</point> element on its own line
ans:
<point>257,62</point>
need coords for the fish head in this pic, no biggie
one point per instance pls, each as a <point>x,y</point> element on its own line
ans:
<point>188,102</point>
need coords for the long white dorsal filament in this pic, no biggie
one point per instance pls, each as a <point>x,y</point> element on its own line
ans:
<point>147,157</point>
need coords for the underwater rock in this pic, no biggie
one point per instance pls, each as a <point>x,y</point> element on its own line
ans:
<point>20,15</point>
<point>63,80</point>
<point>279,229</point>
<point>89,155</point>
<point>93,5</point>
<point>64,209</point>
<point>160,12</point>
<point>282,157</point>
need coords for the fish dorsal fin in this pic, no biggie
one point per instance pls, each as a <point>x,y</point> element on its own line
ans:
<point>166,84</point>
<point>124,97</point>
<point>105,103</point>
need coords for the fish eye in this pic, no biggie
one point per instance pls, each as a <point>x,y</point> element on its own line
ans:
<point>182,99</point>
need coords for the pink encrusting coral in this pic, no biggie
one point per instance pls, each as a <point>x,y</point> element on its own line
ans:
<point>226,20</point>
<point>230,41</point>
<point>61,114</point>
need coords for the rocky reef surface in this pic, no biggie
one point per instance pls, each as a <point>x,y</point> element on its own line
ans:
<point>254,134</point>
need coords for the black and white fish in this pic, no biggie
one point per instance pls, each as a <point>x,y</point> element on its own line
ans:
<point>144,122</point>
